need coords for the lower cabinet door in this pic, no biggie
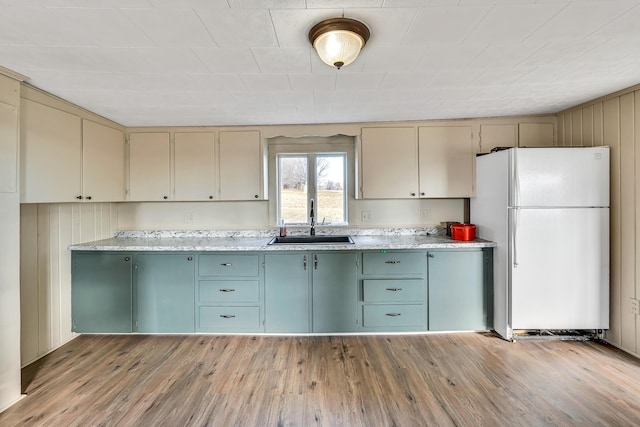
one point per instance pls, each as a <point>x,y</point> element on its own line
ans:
<point>101,292</point>
<point>164,286</point>
<point>287,302</point>
<point>457,299</point>
<point>335,292</point>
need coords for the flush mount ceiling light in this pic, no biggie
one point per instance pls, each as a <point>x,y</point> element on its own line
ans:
<point>338,40</point>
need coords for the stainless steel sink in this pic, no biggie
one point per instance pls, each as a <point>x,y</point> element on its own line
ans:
<point>306,240</point>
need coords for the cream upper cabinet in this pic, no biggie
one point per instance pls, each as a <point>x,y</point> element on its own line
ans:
<point>446,161</point>
<point>536,135</point>
<point>194,166</point>
<point>51,154</point>
<point>241,166</point>
<point>8,148</point>
<point>103,168</point>
<point>389,163</point>
<point>497,135</point>
<point>149,166</point>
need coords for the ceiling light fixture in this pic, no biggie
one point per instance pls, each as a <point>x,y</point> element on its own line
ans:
<point>338,40</point>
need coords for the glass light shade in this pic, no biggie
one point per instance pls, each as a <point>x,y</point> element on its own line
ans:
<point>339,47</point>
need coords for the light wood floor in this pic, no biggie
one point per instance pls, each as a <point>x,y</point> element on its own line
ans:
<point>470,379</point>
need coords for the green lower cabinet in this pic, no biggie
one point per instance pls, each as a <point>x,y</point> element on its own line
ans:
<point>393,291</point>
<point>393,316</point>
<point>457,298</point>
<point>164,293</point>
<point>282,292</point>
<point>229,318</point>
<point>335,297</point>
<point>229,293</point>
<point>287,293</point>
<point>101,292</point>
<point>311,292</point>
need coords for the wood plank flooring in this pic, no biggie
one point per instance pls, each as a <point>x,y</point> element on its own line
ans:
<point>470,379</point>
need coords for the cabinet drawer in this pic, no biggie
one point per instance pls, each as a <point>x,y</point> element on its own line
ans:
<point>393,290</point>
<point>228,265</point>
<point>220,318</point>
<point>390,315</point>
<point>228,291</point>
<point>394,263</point>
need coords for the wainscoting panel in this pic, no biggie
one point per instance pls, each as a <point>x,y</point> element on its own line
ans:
<point>46,231</point>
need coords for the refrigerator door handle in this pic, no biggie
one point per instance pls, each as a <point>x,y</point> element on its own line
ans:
<point>516,179</point>
<point>514,237</point>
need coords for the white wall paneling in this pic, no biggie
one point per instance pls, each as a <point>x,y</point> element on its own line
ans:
<point>46,231</point>
<point>576,128</point>
<point>627,221</point>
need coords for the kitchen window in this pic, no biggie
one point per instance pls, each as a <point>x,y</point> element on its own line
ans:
<point>317,176</point>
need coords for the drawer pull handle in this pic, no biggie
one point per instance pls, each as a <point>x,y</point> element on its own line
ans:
<point>227,316</point>
<point>392,262</point>
<point>394,314</point>
<point>394,289</point>
<point>226,264</point>
<point>227,290</point>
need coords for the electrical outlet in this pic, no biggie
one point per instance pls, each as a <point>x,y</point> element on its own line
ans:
<point>635,306</point>
<point>188,217</point>
<point>366,216</point>
<point>425,214</point>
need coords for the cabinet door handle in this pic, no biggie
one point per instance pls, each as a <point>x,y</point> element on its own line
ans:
<point>79,197</point>
<point>189,258</point>
<point>315,262</point>
<point>227,316</point>
<point>394,289</point>
<point>413,194</point>
<point>127,258</point>
<point>227,290</point>
<point>392,262</point>
<point>430,255</point>
<point>304,262</point>
<point>88,197</point>
<point>255,196</point>
<point>226,264</point>
<point>165,197</point>
<point>394,314</point>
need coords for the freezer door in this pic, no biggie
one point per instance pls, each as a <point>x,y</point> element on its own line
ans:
<point>559,268</point>
<point>559,177</point>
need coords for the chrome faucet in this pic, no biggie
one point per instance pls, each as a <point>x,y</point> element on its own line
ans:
<point>312,215</point>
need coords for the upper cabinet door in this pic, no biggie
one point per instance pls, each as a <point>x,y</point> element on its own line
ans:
<point>51,154</point>
<point>241,166</point>
<point>536,135</point>
<point>149,166</point>
<point>8,148</point>
<point>499,135</point>
<point>389,163</point>
<point>194,160</point>
<point>446,161</point>
<point>102,163</point>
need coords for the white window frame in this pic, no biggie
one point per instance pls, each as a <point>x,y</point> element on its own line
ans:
<point>312,185</point>
<point>337,144</point>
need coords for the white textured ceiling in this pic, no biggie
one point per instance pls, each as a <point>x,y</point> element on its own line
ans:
<point>246,62</point>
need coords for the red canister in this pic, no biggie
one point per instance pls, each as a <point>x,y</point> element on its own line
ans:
<point>463,232</point>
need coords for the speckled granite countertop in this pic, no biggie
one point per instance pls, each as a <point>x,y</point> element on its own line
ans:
<point>256,240</point>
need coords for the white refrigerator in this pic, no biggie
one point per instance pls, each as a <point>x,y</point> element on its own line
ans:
<point>548,211</point>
